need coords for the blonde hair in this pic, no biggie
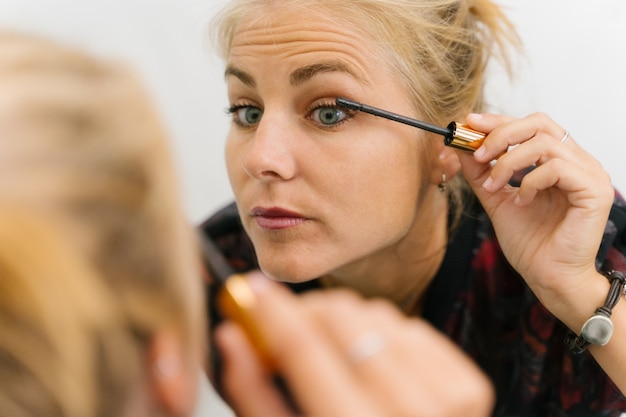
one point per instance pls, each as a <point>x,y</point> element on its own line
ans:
<point>439,48</point>
<point>59,324</point>
<point>81,144</point>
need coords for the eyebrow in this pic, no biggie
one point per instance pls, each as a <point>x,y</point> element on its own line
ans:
<point>243,76</point>
<point>303,74</point>
<point>299,76</point>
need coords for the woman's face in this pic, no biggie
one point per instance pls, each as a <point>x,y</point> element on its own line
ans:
<point>319,189</point>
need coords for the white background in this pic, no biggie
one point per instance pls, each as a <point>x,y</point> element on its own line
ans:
<point>573,70</point>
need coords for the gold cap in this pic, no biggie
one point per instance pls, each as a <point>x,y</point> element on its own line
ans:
<point>462,137</point>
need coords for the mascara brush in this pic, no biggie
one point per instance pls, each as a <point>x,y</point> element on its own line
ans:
<point>455,135</point>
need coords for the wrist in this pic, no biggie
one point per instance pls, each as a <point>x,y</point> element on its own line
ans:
<point>572,304</point>
<point>598,328</point>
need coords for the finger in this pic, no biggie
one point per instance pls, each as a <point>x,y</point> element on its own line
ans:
<point>371,338</point>
<point>505,131</point>
<point>592,192</point>
<point>494,145</point>
<point>246,382</point>
<point>487,122</point>
<point>534,152</point>
<point>364,332</point>
<point>538,151</point>
<point>315,371</point>
<point>411,373</point>
<point>438,361</point>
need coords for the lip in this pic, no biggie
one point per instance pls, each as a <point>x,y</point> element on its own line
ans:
<point>276,218</point>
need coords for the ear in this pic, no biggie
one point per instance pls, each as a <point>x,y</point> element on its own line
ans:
<point>449,165</point>
<point>174,374</point>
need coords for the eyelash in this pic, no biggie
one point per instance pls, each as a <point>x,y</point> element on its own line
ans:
<point>331,105</point>
<point>232,110</point>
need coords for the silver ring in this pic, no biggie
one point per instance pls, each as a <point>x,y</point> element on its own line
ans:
<point>565,137</point>
<point>366,346</point>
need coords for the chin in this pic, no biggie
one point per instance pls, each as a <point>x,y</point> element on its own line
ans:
<point>291,272</point>
<point>294,262</point>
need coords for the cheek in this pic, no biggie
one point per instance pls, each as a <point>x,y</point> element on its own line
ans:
<point>384,176</point>
<point>377,193</point>
<point>387,200</point>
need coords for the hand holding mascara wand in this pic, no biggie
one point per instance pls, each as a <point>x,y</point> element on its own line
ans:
<point>455,135</point>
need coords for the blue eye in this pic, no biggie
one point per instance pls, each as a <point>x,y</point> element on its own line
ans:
<point>328,115</point>
<point>246,116</point>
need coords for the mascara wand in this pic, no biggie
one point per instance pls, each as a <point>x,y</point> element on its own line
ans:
<point>455,135</point>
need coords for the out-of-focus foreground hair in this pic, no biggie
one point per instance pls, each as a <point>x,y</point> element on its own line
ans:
<point>82,149</point>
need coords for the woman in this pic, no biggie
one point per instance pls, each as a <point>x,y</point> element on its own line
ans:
<point>331,197</point>
<point>101,307</point>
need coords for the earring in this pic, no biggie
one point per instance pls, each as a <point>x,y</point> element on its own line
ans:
<point>443,185</point>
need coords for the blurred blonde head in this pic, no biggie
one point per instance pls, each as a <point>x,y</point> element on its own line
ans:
<point>82,147</point>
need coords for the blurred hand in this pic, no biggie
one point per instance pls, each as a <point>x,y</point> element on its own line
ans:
<point>341,355</point>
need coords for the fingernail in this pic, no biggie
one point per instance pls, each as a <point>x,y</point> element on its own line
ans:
<point>487,184</point>
<point>480,152</point>
<point>475,116</point>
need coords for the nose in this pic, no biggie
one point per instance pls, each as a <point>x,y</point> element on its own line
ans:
<point>270,155</point>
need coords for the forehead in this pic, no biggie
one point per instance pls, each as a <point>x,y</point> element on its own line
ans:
<point>300,36</point>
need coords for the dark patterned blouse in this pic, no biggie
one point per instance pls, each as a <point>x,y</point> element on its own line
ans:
<point>483,305</point>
